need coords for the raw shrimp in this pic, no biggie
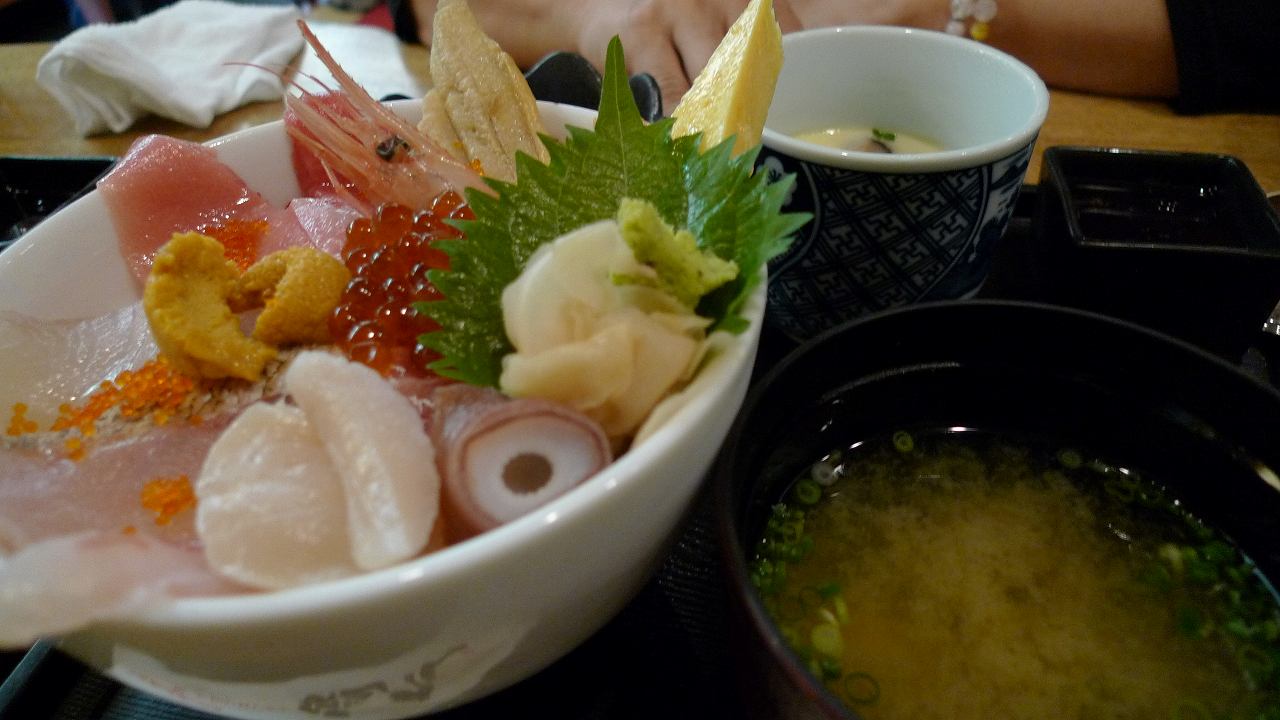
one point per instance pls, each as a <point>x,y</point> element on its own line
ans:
<point>372,155</point>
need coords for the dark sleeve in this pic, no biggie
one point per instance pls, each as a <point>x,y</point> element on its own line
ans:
<point>404,21</point>
<point>1228,54</point>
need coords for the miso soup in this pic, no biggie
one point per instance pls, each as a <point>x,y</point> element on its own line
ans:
<point>973,575</point>
<point>869,139</point>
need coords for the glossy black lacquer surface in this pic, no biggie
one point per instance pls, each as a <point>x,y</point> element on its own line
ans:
<point>32,188</point>
<point>1184,242</point>
<point>1140,398</point>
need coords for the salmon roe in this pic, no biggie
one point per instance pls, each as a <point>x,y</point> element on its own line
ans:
<point>389,255</point>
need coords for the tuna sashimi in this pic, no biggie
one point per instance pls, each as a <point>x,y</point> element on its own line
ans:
<point>313,179</point>
<point>47,363</point>
<point>63,583</point>
<point>164,185</point>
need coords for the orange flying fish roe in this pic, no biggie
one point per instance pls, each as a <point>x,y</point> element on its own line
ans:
<point>168,496</point>
<point>75,448</point>
<point>241,239</point>
<point>154,389</point>
<point>19,423</point>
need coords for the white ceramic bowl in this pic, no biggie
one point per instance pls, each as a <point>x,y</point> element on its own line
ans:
<point>431,633</point>
<point>978,103</point>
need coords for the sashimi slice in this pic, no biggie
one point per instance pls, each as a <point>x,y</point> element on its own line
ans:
<point>44,495</point>
<point>377,442</point>
<point>325,221</point>
<point>164,185</point>
<point>272,512</point>
<point>46,363</point>
<point>64,583</point>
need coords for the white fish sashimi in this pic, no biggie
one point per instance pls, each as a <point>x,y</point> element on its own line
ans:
<point>43,495</point>
<point>325,221</point>
<point>271,511</point>
<point>376,440</point>
<point>49,362</point>
<point>63,583</point>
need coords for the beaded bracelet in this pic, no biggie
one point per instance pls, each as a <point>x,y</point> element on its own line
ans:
<point>982,12</point>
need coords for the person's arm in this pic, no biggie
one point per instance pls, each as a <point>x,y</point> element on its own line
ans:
<point>669,39</point>
<point>1085,45</point>
<point>526,29</point>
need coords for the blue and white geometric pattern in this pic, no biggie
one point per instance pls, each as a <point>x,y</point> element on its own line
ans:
<point>882,240</point>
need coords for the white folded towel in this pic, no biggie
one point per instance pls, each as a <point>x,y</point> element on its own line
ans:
<point>182,62</point>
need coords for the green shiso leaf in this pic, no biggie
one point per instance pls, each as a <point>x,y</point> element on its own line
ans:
<point>731,210</point>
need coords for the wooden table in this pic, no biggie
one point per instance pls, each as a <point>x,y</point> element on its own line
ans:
<point>32,123</point>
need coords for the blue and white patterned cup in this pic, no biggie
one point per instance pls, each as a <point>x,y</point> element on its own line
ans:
<point>894,229</point>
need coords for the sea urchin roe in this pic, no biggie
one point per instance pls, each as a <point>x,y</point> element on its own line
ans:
<point>155,389</point>
<point>168,496</point>
<point>297,288</point>
<point>186,304</point>
<point>389,255</point>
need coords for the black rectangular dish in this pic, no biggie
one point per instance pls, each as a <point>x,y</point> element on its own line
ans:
<point>1183,242</point>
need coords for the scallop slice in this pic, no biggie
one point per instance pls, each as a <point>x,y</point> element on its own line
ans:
<point>375,438</point>
<point>271,511</point>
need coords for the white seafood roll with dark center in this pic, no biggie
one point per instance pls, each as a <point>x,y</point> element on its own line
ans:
<point>501,458</point>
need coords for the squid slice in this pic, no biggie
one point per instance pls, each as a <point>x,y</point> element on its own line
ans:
<point>271,511</point>
<point>375,439</point>
<point>502,457</point>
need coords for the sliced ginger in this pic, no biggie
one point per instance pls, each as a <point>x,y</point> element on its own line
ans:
<point>731,96</point>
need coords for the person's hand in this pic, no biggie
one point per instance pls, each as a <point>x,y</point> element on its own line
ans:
<point>669,39</point>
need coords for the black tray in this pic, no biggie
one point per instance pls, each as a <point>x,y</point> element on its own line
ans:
<point>31,188</point>
<point>664,656</point>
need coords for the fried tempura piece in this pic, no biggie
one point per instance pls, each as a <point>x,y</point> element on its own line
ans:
<point>490,109</point>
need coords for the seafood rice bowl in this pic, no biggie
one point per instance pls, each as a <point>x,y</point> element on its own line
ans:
<point>379,409</point>
<point>426,634</point>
